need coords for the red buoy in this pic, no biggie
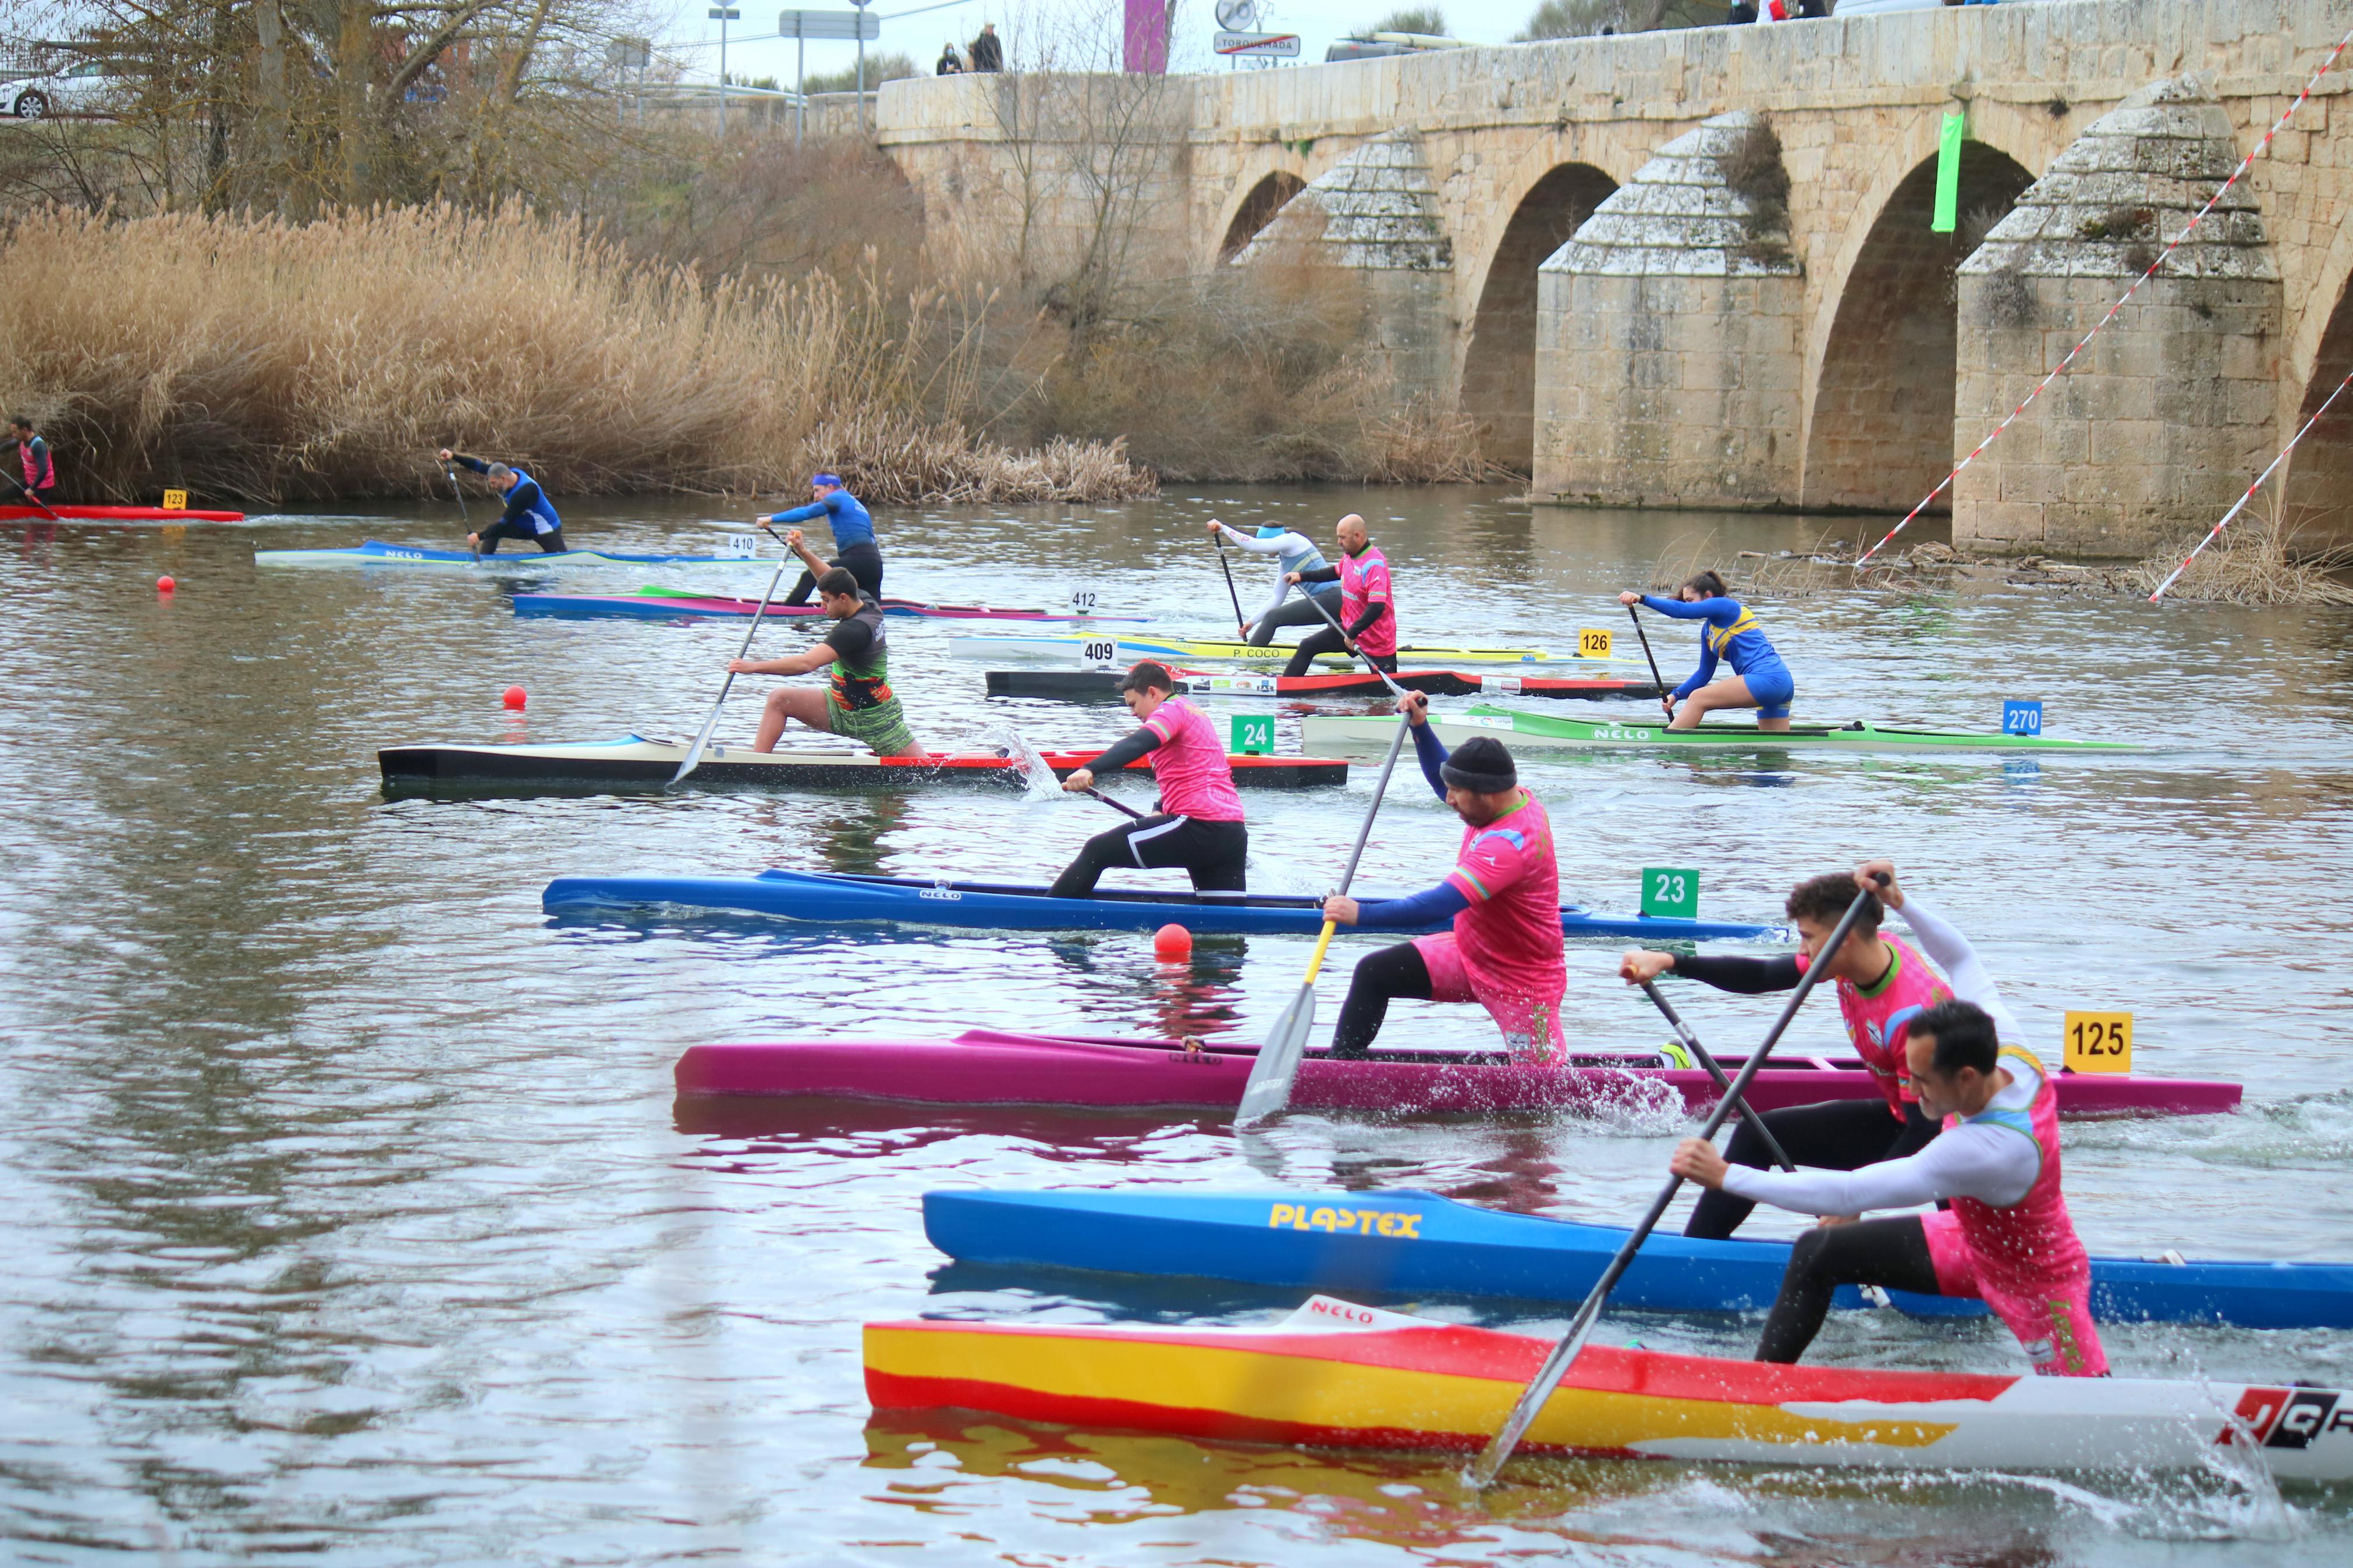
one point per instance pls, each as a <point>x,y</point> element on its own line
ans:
<point>516,697</point>
<point>165,585</point>
<point>1171,942</point>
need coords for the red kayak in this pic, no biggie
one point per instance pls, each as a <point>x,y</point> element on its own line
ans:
<point>991,1067</point>
<point>115,514</point>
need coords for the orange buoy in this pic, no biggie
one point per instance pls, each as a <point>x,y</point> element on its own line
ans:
<point>516,697</point>
<point>165,585</point>
<point>1171,942</point>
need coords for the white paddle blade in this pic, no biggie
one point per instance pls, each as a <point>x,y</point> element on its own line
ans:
<point>1268,1090</point>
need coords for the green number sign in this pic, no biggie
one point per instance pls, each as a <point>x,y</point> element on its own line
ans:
<point>1671,892</point>
<point>1254,734</point>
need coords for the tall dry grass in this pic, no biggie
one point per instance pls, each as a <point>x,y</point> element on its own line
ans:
<point>252,357</point>
<point>2265,557</point>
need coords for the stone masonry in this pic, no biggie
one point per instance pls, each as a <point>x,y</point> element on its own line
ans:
<point>1667,337</point>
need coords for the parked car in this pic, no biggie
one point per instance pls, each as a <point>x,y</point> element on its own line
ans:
<point>78,88</point>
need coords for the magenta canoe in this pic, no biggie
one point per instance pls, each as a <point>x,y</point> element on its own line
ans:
<point>989,1067</point>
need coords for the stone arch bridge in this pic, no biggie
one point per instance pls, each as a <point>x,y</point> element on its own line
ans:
<point>1697,268</point>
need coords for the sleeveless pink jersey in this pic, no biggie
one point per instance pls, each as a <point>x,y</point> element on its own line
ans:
<point>2025,1260</point>
<point>1364,581</point>
<point>1878,1020</point>
<point>1190,766</point>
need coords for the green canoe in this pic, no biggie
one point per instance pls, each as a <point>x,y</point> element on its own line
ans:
<point>1548,731</point>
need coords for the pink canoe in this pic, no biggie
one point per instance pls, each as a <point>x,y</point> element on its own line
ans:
<point>989,1067</point>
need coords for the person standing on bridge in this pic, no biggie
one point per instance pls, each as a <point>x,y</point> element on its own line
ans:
<point>1367,615</point>
<point>853,536</point>
<point>988,54</point>
<point>1292,552</point>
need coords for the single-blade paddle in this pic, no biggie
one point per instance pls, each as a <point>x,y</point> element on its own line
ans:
<point>702,736</point>
<point>463,516</point>
<point>1700,1055</point>
<point>1350,643</point>
<point>1115,805</point>
<point>1242,628</point>
<point>1656,678</point>
<point>26,491</point>
<point>1498,1451</point>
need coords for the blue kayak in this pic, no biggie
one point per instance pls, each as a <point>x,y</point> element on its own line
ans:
<point>829,898</point>
<point>1412,1243</point>
<point>376,552</point>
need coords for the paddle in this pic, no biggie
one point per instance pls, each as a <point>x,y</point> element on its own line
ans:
<point>702,736</point>
<point>1242,628</point>
<point>1700,1054</point>
<point>463,516</point>
<point>26,491</point>
<point>1656,678</point>
<point>1115,805</point>
<point>1350,643</point>
<point>1492,1458</point>
<point>1268,1090</point>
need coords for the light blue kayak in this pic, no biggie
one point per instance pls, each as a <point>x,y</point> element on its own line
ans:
<point>376,552</point>
<point>1413,1242</point>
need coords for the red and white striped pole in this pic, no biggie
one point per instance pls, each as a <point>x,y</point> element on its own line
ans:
<point>2216,532</point>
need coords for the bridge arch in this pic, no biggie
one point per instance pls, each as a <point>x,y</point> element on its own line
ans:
<point>1499,363</point>
<point>2318,493</point>
<point>1881,381</point>
<point>1259,201</point>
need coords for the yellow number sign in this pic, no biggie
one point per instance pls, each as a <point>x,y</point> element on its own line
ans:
<point>176,501</point>
<point>1593,642</point>
<point>2099,1042</point>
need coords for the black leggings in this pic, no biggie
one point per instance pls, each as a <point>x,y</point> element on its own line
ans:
<point>1840,1135</point>
<point>551,543</point>
<point>1393,972</point>
<point>1302,658</point>
<point>865,564</point>
<point>1298,610</point>
<point>1889,1253</point>
<point>1212,853</point>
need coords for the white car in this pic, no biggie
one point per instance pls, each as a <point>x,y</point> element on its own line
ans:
<point>78,89</point>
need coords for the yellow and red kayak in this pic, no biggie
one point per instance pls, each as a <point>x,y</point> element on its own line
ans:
<point>1334,1375</point>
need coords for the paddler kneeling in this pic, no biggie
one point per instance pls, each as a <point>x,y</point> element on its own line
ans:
<point>1503,896</point>
<point>857,702</point>
<point>1882,984</point>
<point>1758,678</point>
<point>1199,824</point>
<point>529,514</point>
<point>2006,1240</point>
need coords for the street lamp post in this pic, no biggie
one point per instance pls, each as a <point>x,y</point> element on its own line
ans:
<point>723,15</point>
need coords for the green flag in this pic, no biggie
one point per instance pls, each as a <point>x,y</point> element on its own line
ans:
<point>1949,175</point>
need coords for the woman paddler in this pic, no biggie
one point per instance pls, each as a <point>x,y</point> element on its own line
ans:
<point>1758,678</point>
<point>2006,1240</point>
<point>529,514</point>
<point>1199,824</point>
<point>853,537</point>
<point>1503,897</point>
<point>1882,984</point>
<point>1292,552</point>
<point>857,702</point>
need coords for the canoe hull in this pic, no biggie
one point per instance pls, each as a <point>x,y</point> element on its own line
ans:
<point>637,762</point>
<point>1412,1243</point>
<point>376,552</point>
<point>1081,648</point>
<point>115,514</point>
<point>1338,1375</point>
<point>690,607</point>
<point>831,900</point>
<point>1102,685</point>
<point>984,1067</point>
<point>1546,732</point>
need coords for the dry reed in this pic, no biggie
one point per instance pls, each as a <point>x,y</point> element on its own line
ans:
<point>2257,563</point>
<point>241,356</point>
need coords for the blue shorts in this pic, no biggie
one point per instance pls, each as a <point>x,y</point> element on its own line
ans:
<point>1772,686</point>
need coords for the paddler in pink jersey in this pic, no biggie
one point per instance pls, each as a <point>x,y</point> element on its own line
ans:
<point>1503,898</point>
<point>1882,984</point>
<point>1199,824</point>
<point>1367,610</point>
<point>2006,1238</point>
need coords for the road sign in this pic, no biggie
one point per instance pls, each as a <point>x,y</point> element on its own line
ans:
<point>1284,43</point>
<point>828,25</point>
<point>725,14</point>
<point>630,54</point>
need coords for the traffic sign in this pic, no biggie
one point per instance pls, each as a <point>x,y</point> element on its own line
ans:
<point>828,25</point>
<point>1284,43</point>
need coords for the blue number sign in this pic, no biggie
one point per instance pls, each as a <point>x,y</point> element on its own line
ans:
<point>2022,718</point>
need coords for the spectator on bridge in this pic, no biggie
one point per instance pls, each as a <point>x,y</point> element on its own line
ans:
<point>988,54</point>
<point>951,63</point>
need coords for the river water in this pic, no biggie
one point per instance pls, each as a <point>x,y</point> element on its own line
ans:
<point>351,1218</point>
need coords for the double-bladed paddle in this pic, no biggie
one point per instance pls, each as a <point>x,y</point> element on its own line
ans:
<point>1492,1458</point>
<point>702,736</point>
<point>1268,1090</point>
<point>1656,678</point>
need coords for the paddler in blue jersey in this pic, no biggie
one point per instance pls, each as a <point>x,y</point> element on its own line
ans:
<point>1292,552</point>
<point>529,514</point>
<point>1758,678</point>
<point>853,537</point>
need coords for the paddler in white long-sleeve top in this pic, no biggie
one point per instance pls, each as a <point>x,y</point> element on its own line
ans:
<point>2006,1240</point>
<point>1292,552</point>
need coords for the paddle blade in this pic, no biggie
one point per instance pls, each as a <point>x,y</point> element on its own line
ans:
<point>1268,1090</point>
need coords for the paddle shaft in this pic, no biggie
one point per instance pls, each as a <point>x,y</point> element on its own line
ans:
<point>1656,678</point>
<point>1691,1043</point>
<point>463,515</point>
<point>26,491</point>
<point>1115,805</point>
<point>1350,643</point>
<point>702,736</point>
<point>1498,1451</point>
<point>1242,628</point>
